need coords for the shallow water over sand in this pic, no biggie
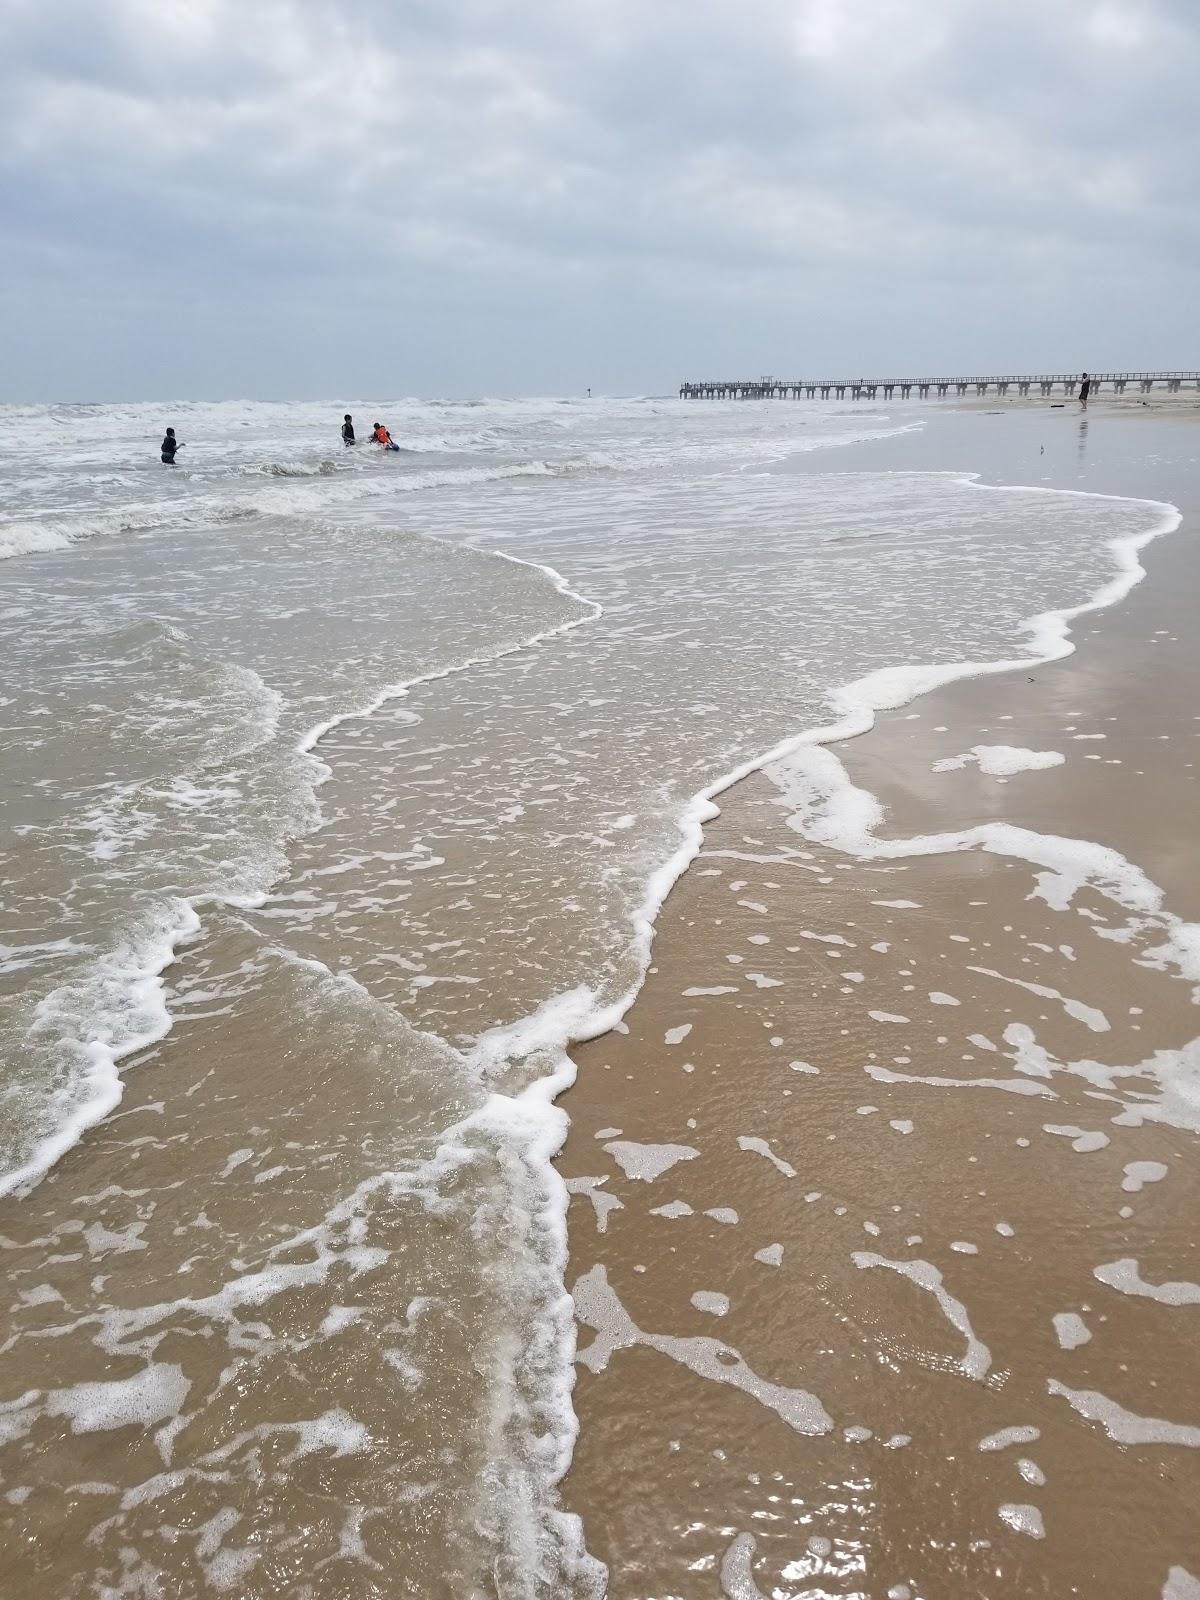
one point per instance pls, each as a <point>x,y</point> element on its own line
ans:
<point>905,1122</point>
<point>298,1304</point>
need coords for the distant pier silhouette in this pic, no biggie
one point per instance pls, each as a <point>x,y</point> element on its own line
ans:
<point>1045,383</point>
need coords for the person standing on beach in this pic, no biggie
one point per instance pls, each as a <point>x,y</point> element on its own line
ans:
<point>348,430</point>
<point>168,448</point>
<point>1085,388</point>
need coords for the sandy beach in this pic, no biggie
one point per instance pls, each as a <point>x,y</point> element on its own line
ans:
<point>881,1232</point>
<point>599,901</point>
<point>1184,403</point>
<point>878,1193</point>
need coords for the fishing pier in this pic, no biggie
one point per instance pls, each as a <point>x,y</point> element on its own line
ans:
<point>1044,383</point>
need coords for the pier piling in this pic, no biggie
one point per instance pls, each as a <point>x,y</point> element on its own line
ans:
<point>888,388</point>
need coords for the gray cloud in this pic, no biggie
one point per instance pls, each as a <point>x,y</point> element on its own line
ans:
<point>491,196</point>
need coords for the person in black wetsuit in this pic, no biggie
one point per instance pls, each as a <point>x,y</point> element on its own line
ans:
<point>348,430</point>
<point>168,448</point>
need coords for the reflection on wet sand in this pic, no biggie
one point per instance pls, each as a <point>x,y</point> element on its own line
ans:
<point>946,1156</point>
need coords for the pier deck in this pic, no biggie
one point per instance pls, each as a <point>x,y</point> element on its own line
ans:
<point>1045,383</point>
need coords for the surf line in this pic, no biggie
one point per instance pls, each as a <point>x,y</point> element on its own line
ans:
<point>538,1127</point>
<point>566,1019</point>
<point>133,968</point>
<point>531,1121</point>
<point>399,691</point>
<point>578,1015</point>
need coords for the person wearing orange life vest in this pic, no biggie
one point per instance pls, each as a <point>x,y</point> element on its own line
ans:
<point>380,435</point>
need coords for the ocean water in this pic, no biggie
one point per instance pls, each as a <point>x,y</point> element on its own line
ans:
<point>341,791</point>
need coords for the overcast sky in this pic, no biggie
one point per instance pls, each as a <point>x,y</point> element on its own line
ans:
<point>293,198</point>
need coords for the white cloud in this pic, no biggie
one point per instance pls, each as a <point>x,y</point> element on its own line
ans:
<point>619,171</point>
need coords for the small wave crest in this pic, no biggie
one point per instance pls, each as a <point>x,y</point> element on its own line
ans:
<point>31,538</point>
<point>36,536</point>
<point>290,469</point>
<point>115,1007</point>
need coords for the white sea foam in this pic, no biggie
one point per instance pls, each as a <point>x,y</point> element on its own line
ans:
<point>1139,1173</point>
<point>602,1203</point>
<point>1002,760</point>
<point>527,1123</point>
<point>977,1360</point>
<point>598,1307</point>
<point>648,1161</point>
<point>1122,1426</point>
<point>1022,1433</point>
<point>762,1148</point>
<point>885,689</point>
<point>152,1395</point>
<point>27,538</point>
<point>1024,1519</point>
<point>826,807</point>
<point>1021,1086</point>
<point>716,1304</point>
<point>1089,1015</point>
<point>115,1009</point>
<point>1082,1139</point>
<point>1125,1276</point>
<point>1071,1330</point>
<point>737,1582</point>
<point>334,1430</point>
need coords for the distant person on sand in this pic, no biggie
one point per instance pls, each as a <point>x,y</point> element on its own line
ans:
<point>380,435</point>
<point>1085,388</point>
<point>348,430</point>
<point>169,447</point>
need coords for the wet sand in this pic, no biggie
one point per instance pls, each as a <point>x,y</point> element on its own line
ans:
<point>251,1316</point>
<point>237,1244</point>
<point>887,1162</point>
<point>1158,403</point>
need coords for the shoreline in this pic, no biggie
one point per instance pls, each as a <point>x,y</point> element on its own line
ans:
<point>1159,403</point>
<point>339,1087</point>
<point>154,957</point>
<point>585,1175</point>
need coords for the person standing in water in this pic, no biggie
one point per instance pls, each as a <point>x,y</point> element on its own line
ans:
<point>1085,388</point>
<point>348,430</point>
<point>169,447</point>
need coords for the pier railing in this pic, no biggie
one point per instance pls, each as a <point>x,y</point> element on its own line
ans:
<point>980,384</point>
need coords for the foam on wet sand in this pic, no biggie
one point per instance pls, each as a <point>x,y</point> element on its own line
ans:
<point>369,1215</point>
<point>1018,941</point>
